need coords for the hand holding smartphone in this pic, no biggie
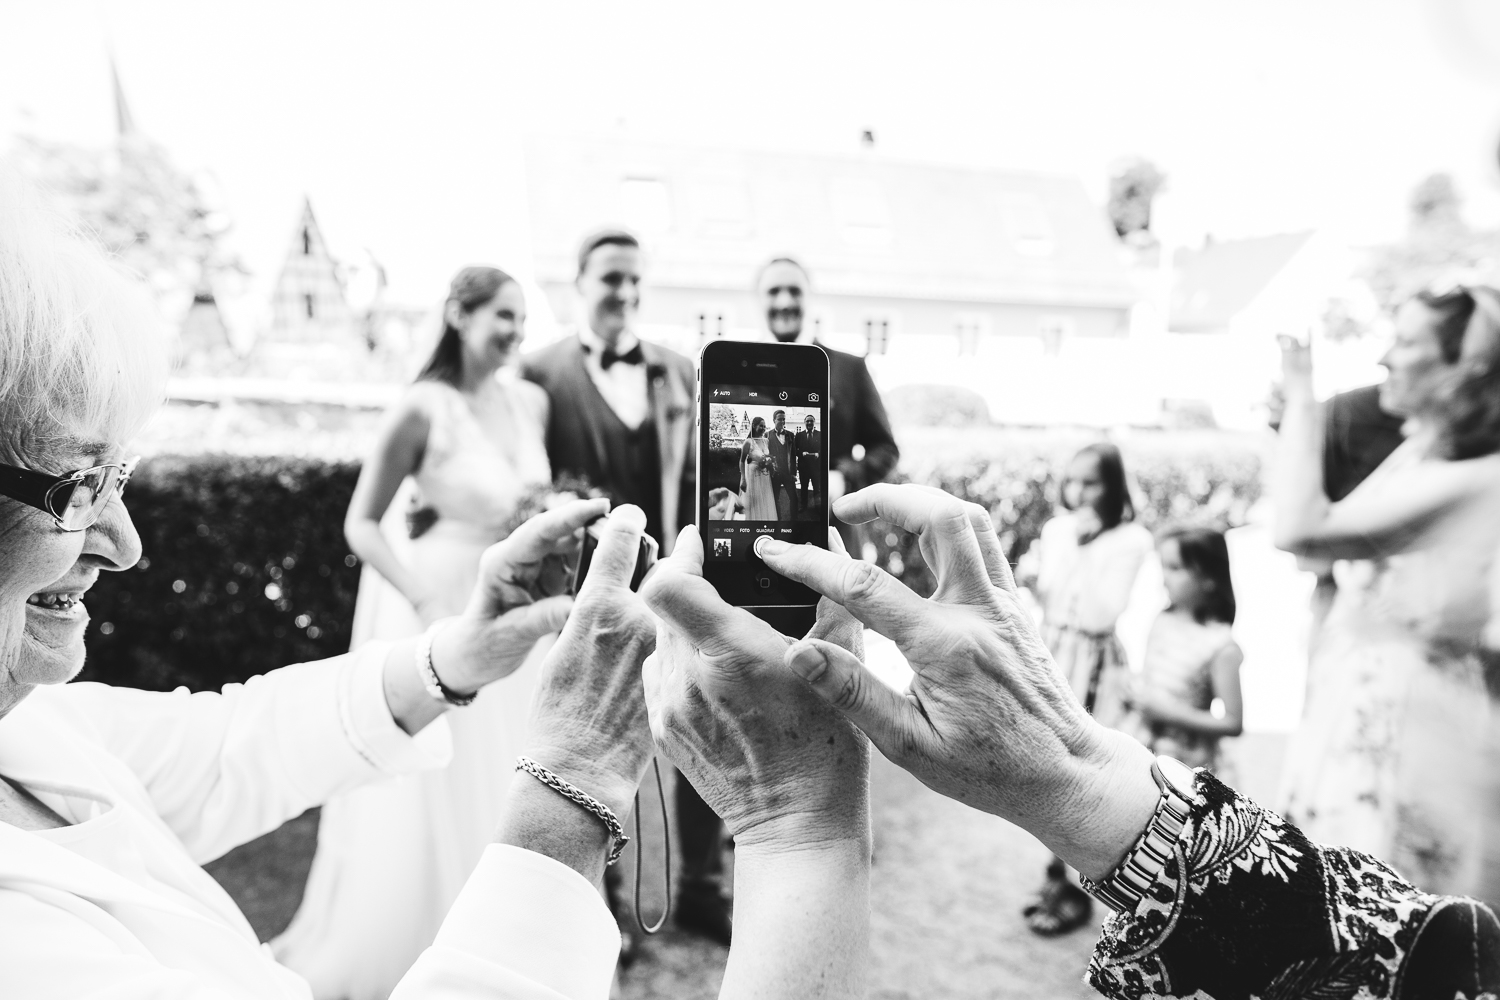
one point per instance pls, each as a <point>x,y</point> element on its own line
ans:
<point>762,470</point>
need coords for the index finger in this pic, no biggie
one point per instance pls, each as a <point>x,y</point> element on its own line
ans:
<point>865,590</point>
<point>619,548</point>
<point>990,548</point>
<point>943,521</point>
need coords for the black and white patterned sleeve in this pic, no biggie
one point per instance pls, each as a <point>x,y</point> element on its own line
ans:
<point>1249,907</point>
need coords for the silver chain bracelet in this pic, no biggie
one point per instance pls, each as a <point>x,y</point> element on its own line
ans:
<point>575,794</point>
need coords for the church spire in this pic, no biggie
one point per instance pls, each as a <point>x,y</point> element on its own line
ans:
<point>124,123</point>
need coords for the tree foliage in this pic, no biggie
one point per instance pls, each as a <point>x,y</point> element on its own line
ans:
<point>145,210</point>
<point>1438,241</point>
<point>1133,186</point>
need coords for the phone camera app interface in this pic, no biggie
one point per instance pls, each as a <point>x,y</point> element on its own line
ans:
<point>765,471</point>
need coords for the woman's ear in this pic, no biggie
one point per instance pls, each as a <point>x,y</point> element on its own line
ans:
<point>454,315</point>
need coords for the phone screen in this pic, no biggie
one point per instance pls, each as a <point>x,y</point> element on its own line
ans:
<point>766,469</point>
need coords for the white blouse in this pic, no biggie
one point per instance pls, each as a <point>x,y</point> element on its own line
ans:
<point>156,784</point>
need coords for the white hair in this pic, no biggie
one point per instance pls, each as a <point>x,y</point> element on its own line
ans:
<point>82,352</point>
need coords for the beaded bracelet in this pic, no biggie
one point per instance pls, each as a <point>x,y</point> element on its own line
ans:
<point>430,680</point>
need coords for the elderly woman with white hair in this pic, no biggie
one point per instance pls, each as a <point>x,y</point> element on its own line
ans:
<point>111,798</point>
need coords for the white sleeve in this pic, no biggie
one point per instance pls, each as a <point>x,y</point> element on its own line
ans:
<point>525,927</point>
<point>48,952</point>
<point>223,768</point>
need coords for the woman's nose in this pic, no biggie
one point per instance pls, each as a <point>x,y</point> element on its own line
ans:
<point>112,540</point>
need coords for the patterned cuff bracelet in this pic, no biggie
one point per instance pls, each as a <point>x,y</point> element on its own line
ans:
<point>577,795</point>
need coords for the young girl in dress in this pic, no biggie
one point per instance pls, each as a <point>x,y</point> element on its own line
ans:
<point>1191,661</point>
<point>1083,569</point>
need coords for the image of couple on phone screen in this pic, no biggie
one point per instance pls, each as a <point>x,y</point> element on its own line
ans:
<point>766,465</point>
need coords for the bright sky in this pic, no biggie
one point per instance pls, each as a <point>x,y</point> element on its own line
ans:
<point>404,122</point>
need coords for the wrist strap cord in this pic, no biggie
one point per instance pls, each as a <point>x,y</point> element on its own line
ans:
<point>666,837</point>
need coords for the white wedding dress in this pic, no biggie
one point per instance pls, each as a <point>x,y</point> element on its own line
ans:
<point>392,856</point>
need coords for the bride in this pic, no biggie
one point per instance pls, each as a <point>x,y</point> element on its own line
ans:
<point>1389,758</point>
<point>755,474</point>
<point>392,857</point>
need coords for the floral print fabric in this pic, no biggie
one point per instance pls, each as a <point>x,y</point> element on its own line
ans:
<point>1249,907</point>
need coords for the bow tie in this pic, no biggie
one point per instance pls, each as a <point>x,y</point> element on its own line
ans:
<point>609,356</point>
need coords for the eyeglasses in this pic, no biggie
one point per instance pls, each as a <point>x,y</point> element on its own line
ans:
<point>75,500</point>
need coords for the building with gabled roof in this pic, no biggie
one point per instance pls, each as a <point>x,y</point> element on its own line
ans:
<point>902,255</point>
<point>1226,285</point>
<point>307,301</point>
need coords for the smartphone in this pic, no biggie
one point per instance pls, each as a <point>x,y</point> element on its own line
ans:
<point>762,470</point>
<point>645,558</point>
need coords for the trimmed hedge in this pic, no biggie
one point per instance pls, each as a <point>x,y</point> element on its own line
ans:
<point>1213,478</point>
<point>246,568</point>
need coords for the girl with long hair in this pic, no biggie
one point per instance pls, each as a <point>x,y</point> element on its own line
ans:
<point>469,437</point>
<point>1083,570</point>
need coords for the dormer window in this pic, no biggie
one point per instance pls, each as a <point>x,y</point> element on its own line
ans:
<point>1026,221</point>
<point>860,211</point>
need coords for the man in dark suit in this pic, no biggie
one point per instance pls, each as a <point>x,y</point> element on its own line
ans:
<point>622,418</point>
<point>809,457</point>
<point>856,417</point>
<point>1357,436</point>
<point>783,445</point>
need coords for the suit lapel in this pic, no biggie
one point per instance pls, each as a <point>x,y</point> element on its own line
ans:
<point>578,372</point>
<point>671,410</point>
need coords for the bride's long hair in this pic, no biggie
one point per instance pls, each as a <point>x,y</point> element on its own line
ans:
<point>471,288</point>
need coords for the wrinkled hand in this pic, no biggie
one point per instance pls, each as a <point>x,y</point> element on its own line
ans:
<point>588,722</point>
<point>989,719</point>
<point>778,764</point>
<point>520,597</point>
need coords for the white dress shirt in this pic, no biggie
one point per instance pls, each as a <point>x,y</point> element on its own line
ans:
<point>115,905</point>
<point>623,386</point>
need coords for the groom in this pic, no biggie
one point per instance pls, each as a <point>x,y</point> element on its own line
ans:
<point>622,418</point>
<point>783,444</point>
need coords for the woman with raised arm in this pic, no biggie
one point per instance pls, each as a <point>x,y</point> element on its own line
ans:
<point>470,434</point>
<point>1390,755</point>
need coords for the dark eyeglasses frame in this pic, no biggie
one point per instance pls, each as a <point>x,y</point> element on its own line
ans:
<point>39,490</point>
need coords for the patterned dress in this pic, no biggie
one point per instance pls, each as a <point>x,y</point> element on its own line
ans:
<point>1390,756</point>
<point>1249,907</point>
<point>1179,661</point>
<point>1083,590</point>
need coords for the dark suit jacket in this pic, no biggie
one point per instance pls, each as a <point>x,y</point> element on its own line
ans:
<point>809,453</point>
<point>574,446</point>
<point>857,416</point>
<point>1357,436</point>
<point>783,453</point>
